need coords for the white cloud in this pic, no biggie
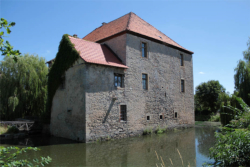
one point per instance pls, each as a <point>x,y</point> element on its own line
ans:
<point>201,73</point>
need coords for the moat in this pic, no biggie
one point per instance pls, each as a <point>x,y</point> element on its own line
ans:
<point>192,143</point>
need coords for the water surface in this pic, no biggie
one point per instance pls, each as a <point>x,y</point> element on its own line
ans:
<point>193,145</point>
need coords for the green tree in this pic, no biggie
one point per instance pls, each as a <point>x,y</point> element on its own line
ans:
<point>242,76</point>
<point>5,47</point>
<point>23,86</point>
<point>207,94</point>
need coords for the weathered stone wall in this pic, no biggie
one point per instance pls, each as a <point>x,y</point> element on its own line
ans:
<point>118,46</point>
<point>90,93</point>
<point>164,90</point>
<point>163,97</point>
<point>68,107</point>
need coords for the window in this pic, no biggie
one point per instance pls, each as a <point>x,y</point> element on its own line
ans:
<point>144,49</point>
<point>175,115</point>
<point>118,80</point>
<point>181,60</point>
<point>145,81</point>
<point>122,115</point>
<point>182,85</point>
<point>147,118</point>
<point>160,117</point>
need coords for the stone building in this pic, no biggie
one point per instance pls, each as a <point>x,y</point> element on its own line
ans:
<point>129,77</point>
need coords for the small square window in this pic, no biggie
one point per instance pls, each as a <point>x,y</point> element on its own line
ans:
<point>181,60</point>
<point>144,49</point>
<point>147,118</point>
<point>119,80</point>
<point>145,81</point>
<point>182,85</point>
<point>160,117</point>
<point>122,115</point>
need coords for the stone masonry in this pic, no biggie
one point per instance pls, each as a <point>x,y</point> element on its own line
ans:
<point>88,109</point>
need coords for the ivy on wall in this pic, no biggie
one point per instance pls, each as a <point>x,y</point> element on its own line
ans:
<point>65,58</point>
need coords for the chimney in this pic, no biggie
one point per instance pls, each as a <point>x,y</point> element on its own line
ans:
<point>75,35</point>
<point>104,23</point>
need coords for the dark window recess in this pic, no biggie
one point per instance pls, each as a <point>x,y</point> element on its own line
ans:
<point>144,81</point>
<point>160,117</point>
<point>175,115</point>
<point>118,80</point>
<point>181,60</point>
<point>68,111</point>
<point>148,118</point>
<point>62,86</point>
<point>182,85</point>
<point>144,49</point>
<point>122,115</point>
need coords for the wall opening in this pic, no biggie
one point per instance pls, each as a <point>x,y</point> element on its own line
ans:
<point>147,118</point>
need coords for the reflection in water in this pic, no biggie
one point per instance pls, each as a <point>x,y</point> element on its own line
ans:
<point>135,151</point>
<point>206,139</point>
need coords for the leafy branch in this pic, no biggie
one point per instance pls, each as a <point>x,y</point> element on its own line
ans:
<point>8,157</point>
<point>5,47</point>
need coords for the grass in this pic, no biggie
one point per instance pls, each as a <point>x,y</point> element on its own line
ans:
<point>8,130</point>
<point>3,130</point>
<point>198,122</point>
<point>162,164</point>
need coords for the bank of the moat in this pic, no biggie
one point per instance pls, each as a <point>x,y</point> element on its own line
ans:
<point>193,144</point>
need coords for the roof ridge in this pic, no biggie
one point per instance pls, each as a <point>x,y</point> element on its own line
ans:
<point>108,23</point>
<point>130,16</point>
<point>158,30</point>
<point>83,40</point>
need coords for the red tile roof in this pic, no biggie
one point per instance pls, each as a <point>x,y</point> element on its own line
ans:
<point>130,22</point>
<point>96,53</point>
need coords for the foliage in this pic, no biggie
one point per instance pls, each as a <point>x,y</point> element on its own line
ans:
<point>23,87</point>
<point>242,76</point>
<point>148,131</point>
<point>12,129</point>
<point>65,58</point>
<point>214,118</point>
<point>233,144</point>
<point>6,48</point>
<point>206,96</point>
<point>8,157</point>
<point>160,130</point>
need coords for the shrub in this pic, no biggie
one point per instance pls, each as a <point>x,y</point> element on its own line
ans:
<point>8,157</point>
<point>12,129</point>
<point>232,147</point>
<point>214,118</point>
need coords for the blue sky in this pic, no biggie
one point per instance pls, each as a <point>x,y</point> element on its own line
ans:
<point>216,31</point>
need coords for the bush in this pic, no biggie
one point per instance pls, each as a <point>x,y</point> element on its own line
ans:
<point>232,148</point>
<point>12,129</point>
<point>233,144</point>
<point>8,157</point>
<point>214,118</point>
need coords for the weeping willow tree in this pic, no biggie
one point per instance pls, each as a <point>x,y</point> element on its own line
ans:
<point>242,76</point>
<point>23,87</point>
